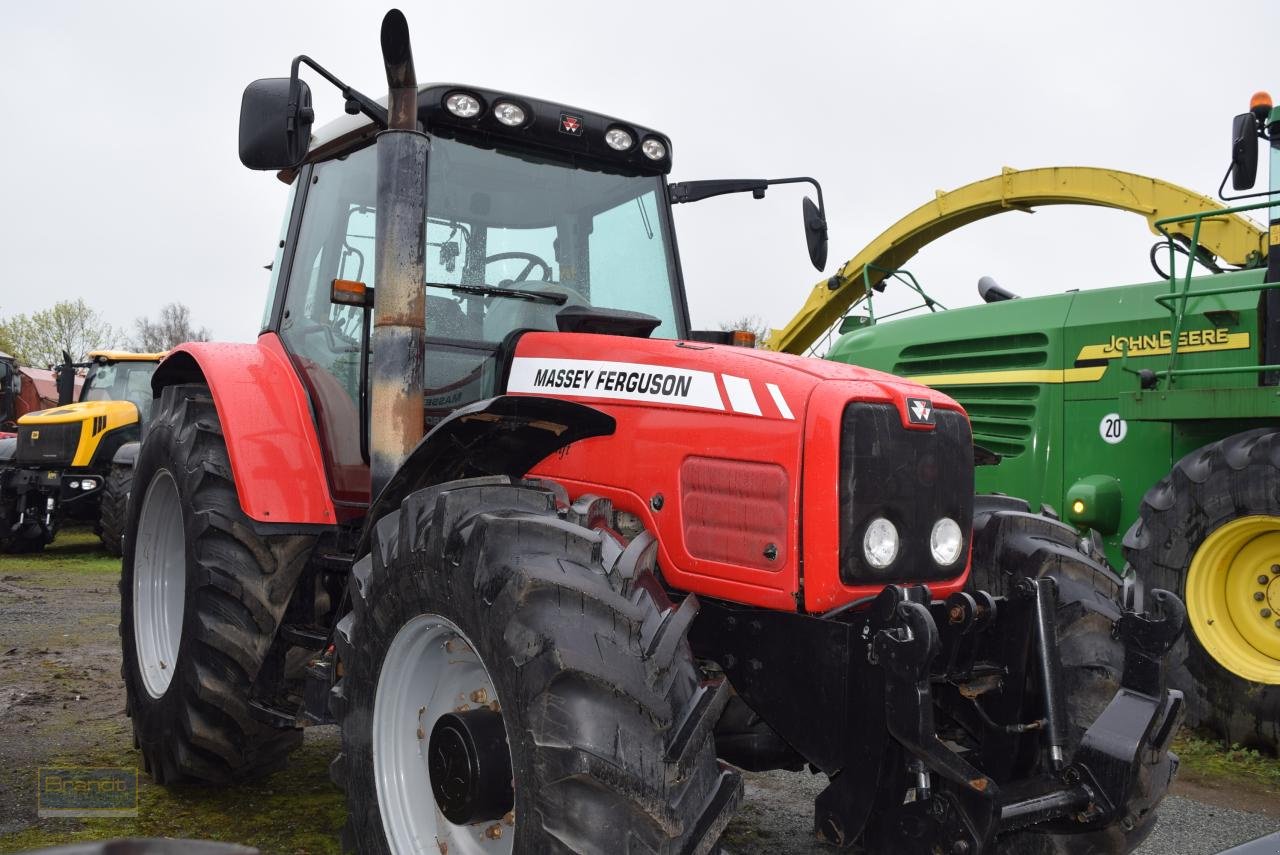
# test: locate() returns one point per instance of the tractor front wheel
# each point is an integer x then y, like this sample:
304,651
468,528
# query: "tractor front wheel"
505,689
1210,532
202,594
114,507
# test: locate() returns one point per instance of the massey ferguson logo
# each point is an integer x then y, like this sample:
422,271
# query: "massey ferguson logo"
571,125
920,411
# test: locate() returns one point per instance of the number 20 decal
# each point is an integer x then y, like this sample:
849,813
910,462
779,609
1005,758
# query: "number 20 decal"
1113,428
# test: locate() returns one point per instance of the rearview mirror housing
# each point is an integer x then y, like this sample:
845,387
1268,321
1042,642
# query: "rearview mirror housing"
275,123
1244,151
815,233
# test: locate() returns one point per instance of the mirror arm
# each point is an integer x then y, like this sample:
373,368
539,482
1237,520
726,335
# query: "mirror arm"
696,191
357,102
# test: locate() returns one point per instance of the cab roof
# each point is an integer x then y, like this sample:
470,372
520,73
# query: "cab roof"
125,356
545,127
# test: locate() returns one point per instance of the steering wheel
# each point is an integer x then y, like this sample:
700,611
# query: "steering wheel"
533,261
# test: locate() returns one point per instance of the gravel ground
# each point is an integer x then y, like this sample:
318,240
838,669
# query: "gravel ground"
60,695
777,818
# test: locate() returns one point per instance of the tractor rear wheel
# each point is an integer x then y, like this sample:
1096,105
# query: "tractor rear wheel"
113,508
1010,541
505,689
1210,532
202,594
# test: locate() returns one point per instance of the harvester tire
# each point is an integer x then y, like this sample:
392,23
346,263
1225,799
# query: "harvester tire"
608,721
114,507
1183,541
194,640
1010,541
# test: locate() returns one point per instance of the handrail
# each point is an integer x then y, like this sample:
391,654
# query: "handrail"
1176,300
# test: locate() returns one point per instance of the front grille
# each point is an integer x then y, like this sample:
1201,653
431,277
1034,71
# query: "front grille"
911,478
48,445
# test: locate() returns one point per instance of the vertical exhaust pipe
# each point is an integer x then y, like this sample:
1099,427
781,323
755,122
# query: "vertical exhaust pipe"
399,320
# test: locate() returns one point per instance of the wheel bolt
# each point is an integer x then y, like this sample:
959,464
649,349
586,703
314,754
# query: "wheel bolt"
1278,624
1275,568
1259,596
1262,580
480,696
1266,613
493,832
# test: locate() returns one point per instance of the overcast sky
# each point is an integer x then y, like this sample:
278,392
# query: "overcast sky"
121,182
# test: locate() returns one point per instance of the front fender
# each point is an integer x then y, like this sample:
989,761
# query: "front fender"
266,421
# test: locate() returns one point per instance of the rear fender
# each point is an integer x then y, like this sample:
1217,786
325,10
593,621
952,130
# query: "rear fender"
266,421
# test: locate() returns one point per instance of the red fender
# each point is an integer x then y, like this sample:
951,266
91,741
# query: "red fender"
266,420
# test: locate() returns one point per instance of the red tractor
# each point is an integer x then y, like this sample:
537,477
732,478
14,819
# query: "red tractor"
556,564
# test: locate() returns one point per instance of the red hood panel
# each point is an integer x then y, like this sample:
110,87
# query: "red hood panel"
696,421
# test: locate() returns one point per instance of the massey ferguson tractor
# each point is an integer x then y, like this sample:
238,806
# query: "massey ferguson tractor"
559,566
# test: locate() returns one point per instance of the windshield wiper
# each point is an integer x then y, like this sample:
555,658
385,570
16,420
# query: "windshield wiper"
496,291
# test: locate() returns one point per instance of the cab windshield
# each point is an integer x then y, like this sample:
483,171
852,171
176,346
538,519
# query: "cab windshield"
120,381
512,239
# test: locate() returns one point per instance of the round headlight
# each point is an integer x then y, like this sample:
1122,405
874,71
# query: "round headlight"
653,148
511,115
880,543
945,541
618,139
74,485
462,105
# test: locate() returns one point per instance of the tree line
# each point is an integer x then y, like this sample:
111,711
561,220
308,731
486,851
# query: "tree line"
39,339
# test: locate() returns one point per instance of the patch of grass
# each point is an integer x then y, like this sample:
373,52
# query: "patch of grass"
75,553
1209,759
293,812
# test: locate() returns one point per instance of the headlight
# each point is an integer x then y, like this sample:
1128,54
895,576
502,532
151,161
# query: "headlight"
880,543
88,484
653,148
462,105
511,115
618,139
945,541
74,485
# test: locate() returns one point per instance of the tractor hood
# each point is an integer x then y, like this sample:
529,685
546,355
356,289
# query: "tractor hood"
72,434
754,384
728,454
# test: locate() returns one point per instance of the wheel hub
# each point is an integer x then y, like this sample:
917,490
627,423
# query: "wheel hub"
470,766
1233,597
442,766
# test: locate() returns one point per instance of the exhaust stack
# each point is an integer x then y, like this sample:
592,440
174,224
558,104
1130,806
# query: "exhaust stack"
399,321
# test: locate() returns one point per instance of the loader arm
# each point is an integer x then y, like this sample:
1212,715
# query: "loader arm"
1230,237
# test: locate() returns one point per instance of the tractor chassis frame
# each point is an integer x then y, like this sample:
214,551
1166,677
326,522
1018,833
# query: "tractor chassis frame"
856,697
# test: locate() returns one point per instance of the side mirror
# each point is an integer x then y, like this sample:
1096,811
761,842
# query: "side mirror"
275,123
65,375
815,233
1244,151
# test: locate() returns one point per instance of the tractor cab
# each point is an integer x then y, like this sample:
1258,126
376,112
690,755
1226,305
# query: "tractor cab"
115,375
548,218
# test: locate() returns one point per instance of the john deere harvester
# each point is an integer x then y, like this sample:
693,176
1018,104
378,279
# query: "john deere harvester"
75,461
625,554
1146,412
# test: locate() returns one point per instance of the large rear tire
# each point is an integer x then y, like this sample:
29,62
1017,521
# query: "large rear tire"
607,721
113,508
201,597
1210,532
1009,541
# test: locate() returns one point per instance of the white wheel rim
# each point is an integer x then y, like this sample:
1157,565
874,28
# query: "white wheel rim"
431,668
159,583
